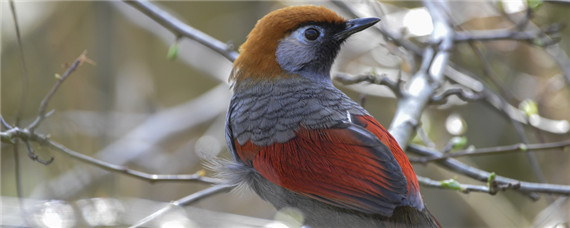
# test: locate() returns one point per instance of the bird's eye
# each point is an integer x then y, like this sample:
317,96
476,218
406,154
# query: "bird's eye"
312,34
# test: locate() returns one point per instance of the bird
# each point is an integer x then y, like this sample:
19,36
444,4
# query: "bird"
299,142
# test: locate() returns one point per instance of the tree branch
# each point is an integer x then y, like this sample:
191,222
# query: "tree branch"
28,136
462,94
464,78
529,188
144,138
423,84
495,150
507,34
346,79
43,105
184,202
453,185
396,39
181,29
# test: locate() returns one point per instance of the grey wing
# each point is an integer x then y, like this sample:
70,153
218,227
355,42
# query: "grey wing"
229,134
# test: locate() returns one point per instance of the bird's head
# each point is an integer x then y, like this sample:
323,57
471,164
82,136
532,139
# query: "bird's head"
295,41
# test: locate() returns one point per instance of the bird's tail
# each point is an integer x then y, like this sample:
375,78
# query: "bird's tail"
412,217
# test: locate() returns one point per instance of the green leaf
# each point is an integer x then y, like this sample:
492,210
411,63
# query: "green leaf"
451,184
538,42
7,138
459,142
500,6
529,107
173,51
534,4
491,178
417,140
523,147
57,76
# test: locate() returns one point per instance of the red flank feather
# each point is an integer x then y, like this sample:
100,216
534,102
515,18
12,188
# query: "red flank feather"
338,167
377,129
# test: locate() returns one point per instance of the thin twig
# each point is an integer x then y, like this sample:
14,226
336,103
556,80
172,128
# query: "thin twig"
143,139
346,79
181,29
23,104
499,104
487,70
32,155
27,136
492,188
506,34
25,78
464,188
4,123
187,200
496,150
198,177
398,40
462,94
43,105
529,188
18,175
558,54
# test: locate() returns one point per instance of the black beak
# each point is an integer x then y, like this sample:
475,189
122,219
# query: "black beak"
356,25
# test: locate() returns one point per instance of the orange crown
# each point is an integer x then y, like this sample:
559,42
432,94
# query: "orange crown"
257,55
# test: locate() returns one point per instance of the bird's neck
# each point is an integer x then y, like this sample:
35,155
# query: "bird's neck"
282,80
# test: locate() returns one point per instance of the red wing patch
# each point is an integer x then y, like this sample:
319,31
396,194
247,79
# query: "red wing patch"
346,167
377,129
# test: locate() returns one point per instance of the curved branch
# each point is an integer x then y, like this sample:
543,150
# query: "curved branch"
144,138
464,188
398,40
43,105
529,188
499,104
496,150
508,34
28,136
346,79
462,94
187,200
181,29
423,84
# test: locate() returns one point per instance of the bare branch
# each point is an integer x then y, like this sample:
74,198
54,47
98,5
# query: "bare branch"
181,29
142,140
398,40
25,77
497,150
492,188
462,94
28,136
4,123
184,202
464,188
32,155
43,105
423,84
529,188
346,79
508,34
498,103
535,166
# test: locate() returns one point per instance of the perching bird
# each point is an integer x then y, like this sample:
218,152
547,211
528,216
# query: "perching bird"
299,142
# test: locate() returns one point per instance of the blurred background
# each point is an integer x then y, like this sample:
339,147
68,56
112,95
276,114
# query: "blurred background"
136,107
